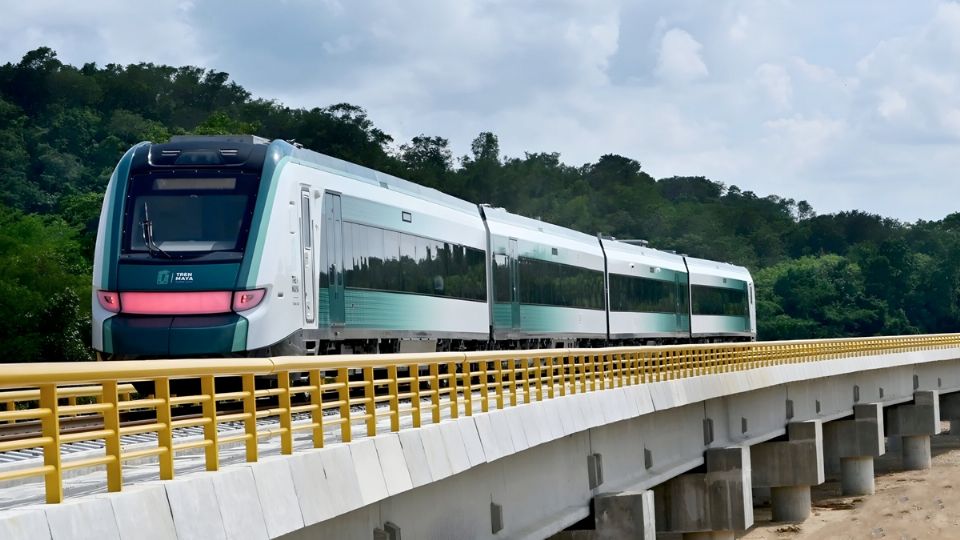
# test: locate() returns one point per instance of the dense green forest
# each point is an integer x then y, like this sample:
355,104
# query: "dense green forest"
63,128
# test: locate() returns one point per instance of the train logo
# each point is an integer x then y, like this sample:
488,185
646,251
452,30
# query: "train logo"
163,277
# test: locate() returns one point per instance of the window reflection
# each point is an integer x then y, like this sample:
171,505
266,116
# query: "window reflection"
719,301
637,294
391,261
555,284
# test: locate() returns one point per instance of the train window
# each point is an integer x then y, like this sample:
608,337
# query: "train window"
201,217
390,277
501,278
305,222
636,294
380,259
555,284
720,301
351,258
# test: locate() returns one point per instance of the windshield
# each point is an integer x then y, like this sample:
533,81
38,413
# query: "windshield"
188,217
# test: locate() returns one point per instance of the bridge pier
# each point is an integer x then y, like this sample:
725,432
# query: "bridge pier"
628,514
789,468
712,504
914,423
950,409
853,444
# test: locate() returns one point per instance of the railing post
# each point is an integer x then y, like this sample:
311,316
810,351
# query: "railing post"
50,429
343,396
435,392
250,422
552,379
579,372
161,390
596,375
538,376
484,387
467,387
394,388
316,411
498,379
564,374
285,403
416,409
369,393
111,422
454,397
513,381
625,362
209,408
525,371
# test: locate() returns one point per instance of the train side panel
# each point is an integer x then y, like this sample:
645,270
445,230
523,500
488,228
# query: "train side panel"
547,280
722,300
648,293
381,263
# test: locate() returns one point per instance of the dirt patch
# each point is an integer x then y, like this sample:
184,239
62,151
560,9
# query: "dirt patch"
908,505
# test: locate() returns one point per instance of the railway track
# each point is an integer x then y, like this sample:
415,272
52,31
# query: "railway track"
31,429
79,424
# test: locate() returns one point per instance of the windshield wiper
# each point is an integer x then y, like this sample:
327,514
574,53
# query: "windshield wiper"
146,226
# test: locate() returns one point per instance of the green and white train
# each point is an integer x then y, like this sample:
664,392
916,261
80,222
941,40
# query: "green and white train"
237,246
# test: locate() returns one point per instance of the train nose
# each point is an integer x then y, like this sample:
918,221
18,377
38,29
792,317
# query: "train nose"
180,335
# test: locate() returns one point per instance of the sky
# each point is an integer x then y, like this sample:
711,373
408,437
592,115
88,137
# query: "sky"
850,104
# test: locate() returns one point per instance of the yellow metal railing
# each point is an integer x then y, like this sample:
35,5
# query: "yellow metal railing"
338,395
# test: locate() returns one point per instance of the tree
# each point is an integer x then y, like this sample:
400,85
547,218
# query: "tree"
427,160
44,289
219,123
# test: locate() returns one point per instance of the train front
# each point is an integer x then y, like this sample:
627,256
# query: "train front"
170,250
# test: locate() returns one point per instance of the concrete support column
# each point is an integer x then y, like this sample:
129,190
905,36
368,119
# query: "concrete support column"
916,452
856,476
851,445
711,505
915,423
790,503
789,468
628,514
950,409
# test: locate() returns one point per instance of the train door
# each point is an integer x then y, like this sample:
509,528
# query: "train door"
514,284
333,243
306,255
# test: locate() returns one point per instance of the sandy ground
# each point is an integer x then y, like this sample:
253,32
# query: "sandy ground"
907,505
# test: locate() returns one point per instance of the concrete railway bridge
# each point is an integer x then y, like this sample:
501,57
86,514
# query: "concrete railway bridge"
586,443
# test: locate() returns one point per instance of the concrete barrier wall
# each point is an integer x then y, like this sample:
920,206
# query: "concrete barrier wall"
523,472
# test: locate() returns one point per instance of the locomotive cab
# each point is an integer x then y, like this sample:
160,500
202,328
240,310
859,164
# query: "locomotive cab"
174,229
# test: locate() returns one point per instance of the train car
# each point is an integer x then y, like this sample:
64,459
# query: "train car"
546,283
722,301
219,246
237,246
648,294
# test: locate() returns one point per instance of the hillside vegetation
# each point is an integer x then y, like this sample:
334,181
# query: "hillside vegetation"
63,128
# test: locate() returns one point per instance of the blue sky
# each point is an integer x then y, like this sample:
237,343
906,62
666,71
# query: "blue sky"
849,105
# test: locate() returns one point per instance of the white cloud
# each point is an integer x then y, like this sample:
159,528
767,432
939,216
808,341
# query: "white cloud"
738,32
777,84
108,31
863,112
679,59
892,103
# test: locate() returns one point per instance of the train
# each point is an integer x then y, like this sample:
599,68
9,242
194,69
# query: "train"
237,246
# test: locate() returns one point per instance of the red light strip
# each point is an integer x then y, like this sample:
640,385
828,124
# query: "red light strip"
175,303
